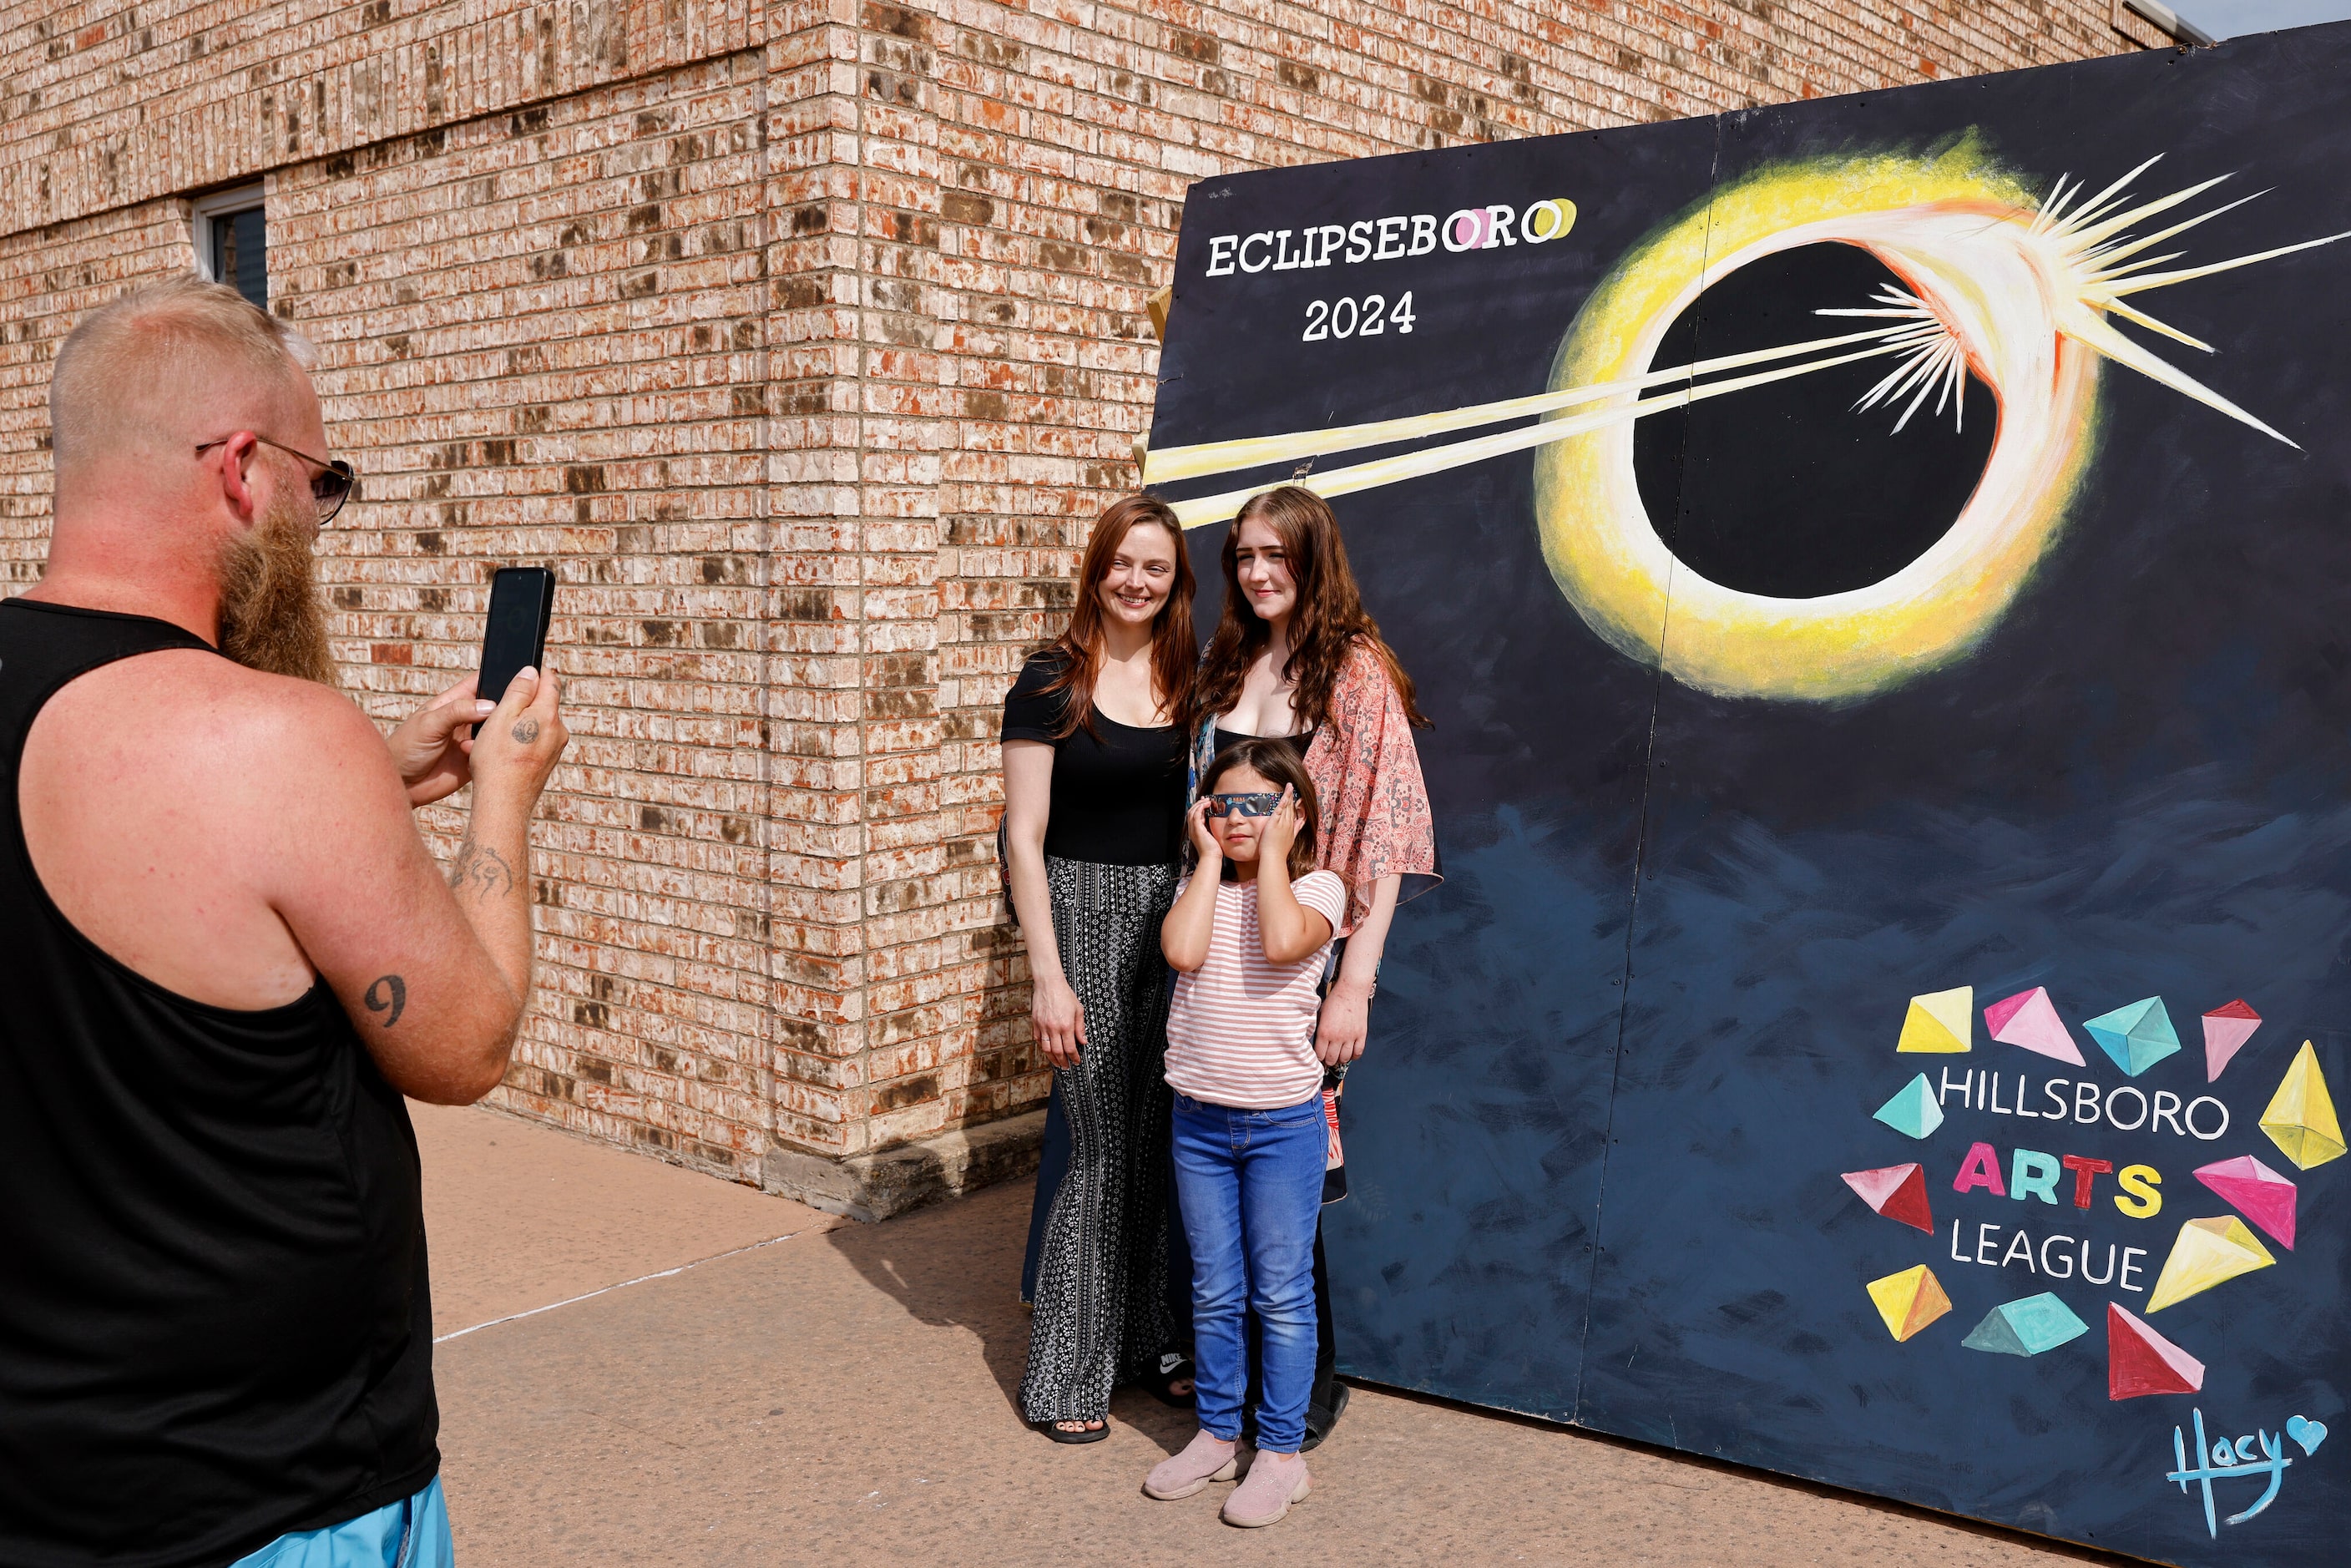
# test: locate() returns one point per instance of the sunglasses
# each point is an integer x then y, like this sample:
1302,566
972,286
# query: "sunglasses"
331,488
1255,805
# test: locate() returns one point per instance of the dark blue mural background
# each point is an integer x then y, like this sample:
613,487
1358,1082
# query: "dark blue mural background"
1621,1057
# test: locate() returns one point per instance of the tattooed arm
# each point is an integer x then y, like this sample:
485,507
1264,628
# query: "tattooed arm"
513,750
433,968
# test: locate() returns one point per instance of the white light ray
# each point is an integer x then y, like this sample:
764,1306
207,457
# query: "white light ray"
2107,254
1436,459
2165,279
1256,451
2087,328
2080,241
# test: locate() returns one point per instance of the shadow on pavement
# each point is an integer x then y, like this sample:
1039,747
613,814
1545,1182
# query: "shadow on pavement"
957,1265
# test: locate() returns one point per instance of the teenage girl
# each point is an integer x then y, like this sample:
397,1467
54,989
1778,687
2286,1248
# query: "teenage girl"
1248,939
1297,656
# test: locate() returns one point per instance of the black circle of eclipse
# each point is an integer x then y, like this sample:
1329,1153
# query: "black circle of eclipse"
1785,490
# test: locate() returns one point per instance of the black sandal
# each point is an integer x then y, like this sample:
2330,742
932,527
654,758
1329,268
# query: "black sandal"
1054,1429
1174,1367
1319,1421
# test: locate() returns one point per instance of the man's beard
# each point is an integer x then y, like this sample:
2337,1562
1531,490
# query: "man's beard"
271,617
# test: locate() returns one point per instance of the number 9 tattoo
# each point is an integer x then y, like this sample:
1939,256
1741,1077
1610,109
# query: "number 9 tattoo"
394,997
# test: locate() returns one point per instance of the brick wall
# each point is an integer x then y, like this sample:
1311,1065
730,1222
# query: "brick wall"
545,331
803,341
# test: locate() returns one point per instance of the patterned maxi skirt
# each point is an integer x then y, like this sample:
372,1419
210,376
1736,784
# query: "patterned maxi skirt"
1102,1314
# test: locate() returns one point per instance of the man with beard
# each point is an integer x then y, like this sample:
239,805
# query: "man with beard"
229,955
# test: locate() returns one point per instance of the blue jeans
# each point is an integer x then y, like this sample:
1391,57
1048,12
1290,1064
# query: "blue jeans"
1250,1186
411,1533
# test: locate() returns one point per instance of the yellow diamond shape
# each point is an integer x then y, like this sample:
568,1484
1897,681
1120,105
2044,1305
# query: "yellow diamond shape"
1939,1022
2301,1118
2207,1253
1909,1301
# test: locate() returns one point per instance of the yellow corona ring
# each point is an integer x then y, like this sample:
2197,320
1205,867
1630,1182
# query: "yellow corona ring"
1964,240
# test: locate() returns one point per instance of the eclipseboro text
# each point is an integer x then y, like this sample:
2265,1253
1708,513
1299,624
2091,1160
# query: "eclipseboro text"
1390,238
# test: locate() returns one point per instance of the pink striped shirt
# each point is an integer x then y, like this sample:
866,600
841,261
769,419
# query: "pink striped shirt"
1240,1031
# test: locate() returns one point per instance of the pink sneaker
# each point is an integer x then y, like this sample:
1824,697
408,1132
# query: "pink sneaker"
1204,1459
1265,1493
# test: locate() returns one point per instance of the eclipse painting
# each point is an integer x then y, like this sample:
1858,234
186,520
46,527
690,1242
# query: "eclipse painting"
1878,569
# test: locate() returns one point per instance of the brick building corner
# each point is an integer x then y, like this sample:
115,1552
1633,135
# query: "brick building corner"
804,340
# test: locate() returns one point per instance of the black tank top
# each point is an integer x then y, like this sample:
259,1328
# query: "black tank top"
214,1326
1298,743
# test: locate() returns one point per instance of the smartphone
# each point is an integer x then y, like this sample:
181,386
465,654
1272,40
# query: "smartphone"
521,599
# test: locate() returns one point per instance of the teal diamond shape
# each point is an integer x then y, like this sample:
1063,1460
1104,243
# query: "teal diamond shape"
2026,1327
2136,1037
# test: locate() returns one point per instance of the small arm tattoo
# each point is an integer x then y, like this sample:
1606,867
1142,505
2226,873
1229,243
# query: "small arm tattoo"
527,731
387,994
485,870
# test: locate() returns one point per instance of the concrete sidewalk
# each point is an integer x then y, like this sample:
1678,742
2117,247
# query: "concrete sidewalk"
787,1388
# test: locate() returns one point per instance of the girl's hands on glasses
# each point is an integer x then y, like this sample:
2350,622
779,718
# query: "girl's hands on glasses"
1281,832
1204,839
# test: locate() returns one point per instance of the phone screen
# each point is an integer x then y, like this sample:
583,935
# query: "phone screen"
521,599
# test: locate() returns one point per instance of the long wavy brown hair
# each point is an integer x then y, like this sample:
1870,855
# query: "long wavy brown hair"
1080,648
1329,621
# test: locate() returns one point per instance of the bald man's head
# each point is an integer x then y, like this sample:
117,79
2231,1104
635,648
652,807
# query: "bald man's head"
147,376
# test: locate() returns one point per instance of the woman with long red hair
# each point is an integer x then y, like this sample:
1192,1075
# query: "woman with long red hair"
1094,735
1297,657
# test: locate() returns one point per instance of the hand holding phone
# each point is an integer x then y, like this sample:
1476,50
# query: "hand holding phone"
522,598
432,746
429,746
524,736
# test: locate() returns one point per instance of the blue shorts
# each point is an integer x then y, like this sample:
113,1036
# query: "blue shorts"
411,1533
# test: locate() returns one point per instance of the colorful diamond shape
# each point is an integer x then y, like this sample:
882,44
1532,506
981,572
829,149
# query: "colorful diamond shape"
2137,1036
1898,1192
2259,1194
1913,1111
2026,1327
2140,1361
1909,1301
2225,1030
1939,1022
2301,1118
2207,1253
2029,1020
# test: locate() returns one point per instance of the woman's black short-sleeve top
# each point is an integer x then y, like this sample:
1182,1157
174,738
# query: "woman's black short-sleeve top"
1118,793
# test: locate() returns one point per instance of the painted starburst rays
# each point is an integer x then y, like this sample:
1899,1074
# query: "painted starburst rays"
2092,264
1935,362
2085,262
2091,243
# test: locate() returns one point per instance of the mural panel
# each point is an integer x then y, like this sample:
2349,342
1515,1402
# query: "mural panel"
1878,569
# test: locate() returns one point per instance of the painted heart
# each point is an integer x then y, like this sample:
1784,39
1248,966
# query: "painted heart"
2306,1432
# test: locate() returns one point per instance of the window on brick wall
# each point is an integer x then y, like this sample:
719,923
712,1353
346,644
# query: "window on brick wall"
232,239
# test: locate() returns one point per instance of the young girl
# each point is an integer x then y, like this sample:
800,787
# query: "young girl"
1298,656
1248,937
